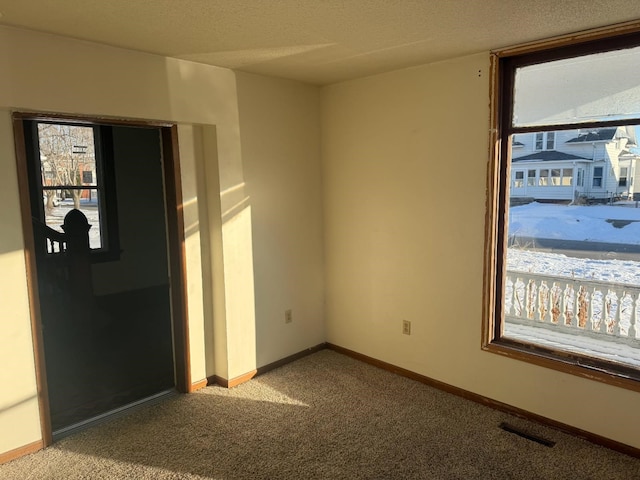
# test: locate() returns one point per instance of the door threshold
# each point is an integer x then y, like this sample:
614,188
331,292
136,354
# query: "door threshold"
113,414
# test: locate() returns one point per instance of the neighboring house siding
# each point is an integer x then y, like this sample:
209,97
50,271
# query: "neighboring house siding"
591,164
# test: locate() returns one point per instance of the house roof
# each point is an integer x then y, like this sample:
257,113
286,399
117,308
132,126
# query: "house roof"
549,156
628,153
599,135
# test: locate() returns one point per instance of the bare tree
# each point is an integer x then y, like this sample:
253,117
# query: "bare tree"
66,152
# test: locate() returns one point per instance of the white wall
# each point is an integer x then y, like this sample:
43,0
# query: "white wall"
90,79
404,172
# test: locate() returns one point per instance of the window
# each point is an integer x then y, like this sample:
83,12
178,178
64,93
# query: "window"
545,140
69,172
531,178
551,140
569,314
518,179
597,177
544,177
539,140
622,182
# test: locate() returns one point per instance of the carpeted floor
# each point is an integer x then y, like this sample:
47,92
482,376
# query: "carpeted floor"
325,416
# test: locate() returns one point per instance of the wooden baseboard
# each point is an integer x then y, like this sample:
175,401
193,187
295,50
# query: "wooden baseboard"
21,451
503,407
198,385
223,382
291,358
233,382
216,380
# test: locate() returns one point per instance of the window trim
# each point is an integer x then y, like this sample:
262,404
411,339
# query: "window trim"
175,234
503,66
623,179
104,168
600,177
544,141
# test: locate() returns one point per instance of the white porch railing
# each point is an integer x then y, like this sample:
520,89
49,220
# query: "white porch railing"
575,306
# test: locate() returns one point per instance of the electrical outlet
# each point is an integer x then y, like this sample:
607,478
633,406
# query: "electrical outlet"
288,316
406,327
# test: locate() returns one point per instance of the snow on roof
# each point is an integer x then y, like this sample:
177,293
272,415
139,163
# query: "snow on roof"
598,135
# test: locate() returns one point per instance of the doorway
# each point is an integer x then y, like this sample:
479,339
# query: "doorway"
103,234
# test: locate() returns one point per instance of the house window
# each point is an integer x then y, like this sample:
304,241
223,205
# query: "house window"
70,172
543,180
551,136
563,311
518,179
567,177
539,140
531,178
597,177
622,182
545,140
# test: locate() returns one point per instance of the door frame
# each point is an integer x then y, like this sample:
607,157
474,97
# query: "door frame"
175,238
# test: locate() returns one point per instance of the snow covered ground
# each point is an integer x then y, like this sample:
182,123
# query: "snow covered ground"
55,219
585,223
581,223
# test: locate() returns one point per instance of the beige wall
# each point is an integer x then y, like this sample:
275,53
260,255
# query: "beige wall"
223,242
19,421
283,185
401,189
404,168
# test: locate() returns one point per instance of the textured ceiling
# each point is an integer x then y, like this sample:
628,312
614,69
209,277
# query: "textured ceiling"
315,41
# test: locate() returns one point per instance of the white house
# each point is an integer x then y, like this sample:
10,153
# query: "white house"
566,165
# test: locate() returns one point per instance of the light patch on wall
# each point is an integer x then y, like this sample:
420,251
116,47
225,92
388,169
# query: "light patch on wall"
240,296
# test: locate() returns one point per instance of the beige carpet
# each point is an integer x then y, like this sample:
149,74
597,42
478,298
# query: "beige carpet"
323,417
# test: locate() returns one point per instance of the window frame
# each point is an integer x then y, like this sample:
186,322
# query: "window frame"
543,178
503,67
544,139
550,139
599,177
532,180
105,175
623,179
564,177
518,178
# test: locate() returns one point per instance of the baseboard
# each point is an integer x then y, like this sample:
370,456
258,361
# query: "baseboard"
198,385
216,380
291,358
232,382
474,397
223,382
21,451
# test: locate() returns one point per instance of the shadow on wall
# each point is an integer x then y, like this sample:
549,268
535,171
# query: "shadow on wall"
19,403
218,243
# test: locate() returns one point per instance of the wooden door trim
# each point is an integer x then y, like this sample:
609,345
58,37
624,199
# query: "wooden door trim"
177,256
32,281
175,239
